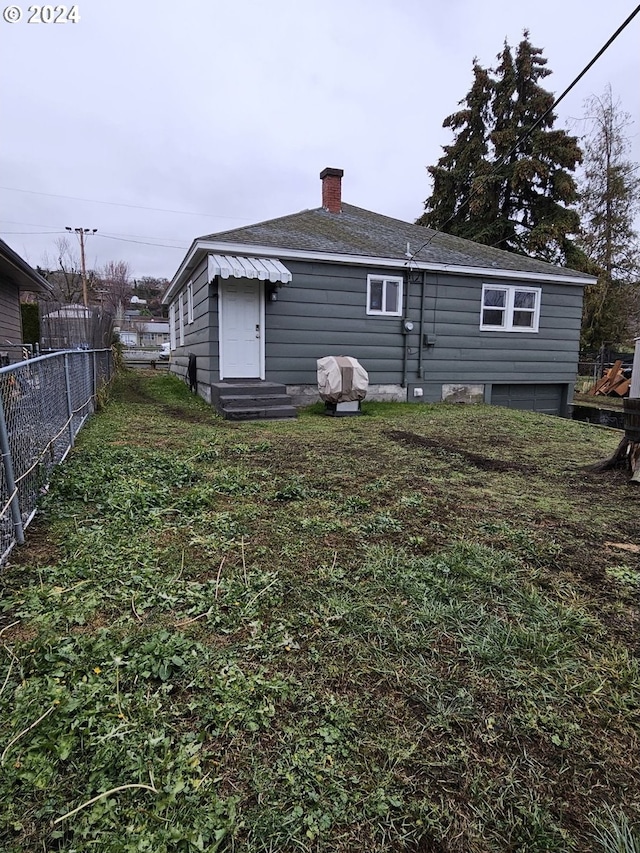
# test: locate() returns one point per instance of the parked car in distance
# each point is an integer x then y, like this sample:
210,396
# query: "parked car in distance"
165,350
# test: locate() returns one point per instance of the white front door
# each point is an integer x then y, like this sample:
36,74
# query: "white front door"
241,318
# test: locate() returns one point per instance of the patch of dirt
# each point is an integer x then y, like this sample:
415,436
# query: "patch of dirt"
14,631
38,550
484,463
133,392
184,415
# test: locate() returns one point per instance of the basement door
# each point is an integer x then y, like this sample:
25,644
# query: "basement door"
241,318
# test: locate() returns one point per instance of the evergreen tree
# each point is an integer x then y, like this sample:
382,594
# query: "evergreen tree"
512,194
455,176
609,202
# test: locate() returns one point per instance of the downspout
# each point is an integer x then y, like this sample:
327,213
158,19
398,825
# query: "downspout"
405,335
421,340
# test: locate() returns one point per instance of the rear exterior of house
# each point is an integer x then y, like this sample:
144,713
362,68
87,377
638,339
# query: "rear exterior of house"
431,317
16,276
10,319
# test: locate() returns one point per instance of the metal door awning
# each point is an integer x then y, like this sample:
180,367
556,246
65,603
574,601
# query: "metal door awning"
264,269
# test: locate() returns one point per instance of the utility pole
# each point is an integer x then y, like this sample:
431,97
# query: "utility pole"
81,232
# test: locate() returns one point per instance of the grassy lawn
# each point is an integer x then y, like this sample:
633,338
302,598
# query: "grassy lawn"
416,630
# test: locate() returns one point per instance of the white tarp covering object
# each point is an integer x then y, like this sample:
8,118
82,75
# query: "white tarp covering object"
264,269
341,379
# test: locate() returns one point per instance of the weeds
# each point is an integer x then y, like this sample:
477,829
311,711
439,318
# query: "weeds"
298,636
614,833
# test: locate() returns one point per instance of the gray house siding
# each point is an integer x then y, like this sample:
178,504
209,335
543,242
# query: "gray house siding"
323,311
465,355
10,317
200,336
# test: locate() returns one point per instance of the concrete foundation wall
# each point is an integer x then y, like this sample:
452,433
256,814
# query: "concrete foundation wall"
306,395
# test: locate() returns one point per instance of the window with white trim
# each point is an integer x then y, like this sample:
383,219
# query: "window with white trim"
384,295
190,302
172,326
181,320
509,308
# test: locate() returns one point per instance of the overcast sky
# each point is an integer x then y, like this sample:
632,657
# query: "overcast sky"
218,114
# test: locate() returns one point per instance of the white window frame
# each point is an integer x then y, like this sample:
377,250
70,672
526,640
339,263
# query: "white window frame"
172,326
190,302
385,279
181,319
510,290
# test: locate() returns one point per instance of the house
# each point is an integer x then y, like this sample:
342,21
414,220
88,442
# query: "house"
430,316
136,327
147,332
153,332
16,277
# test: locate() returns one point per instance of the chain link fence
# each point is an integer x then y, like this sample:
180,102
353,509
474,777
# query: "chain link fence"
44,403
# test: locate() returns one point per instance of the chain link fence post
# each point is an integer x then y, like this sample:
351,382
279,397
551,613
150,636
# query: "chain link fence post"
67,383
94,356
9,478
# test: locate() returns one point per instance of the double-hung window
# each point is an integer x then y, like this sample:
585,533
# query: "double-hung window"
509,308
172,326
384,295
181,320
190,302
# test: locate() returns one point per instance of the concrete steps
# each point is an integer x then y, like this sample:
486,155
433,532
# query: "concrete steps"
251,400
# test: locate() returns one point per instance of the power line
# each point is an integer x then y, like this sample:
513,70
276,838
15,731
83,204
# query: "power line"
528,132
149,237
123,204
30,224
124,237
142,243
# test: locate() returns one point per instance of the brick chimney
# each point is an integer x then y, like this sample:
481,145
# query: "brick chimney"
332,189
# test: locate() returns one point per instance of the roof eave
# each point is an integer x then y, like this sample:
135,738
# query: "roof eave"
199,248
21,272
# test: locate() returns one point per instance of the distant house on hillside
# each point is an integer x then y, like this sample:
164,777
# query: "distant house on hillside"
153,332
430,316
147,332
16,277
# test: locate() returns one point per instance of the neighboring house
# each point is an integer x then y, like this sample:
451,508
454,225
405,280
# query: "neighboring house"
153,332
128,337
430,316
16,277
148,333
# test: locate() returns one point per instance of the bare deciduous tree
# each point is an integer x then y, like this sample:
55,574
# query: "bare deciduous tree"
609,201
63,272
114,286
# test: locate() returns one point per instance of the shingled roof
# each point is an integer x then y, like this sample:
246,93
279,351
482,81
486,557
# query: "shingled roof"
355,231
16,269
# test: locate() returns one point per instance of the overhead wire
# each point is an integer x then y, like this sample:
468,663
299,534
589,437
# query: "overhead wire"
124,204
124,237
530,130
142,243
